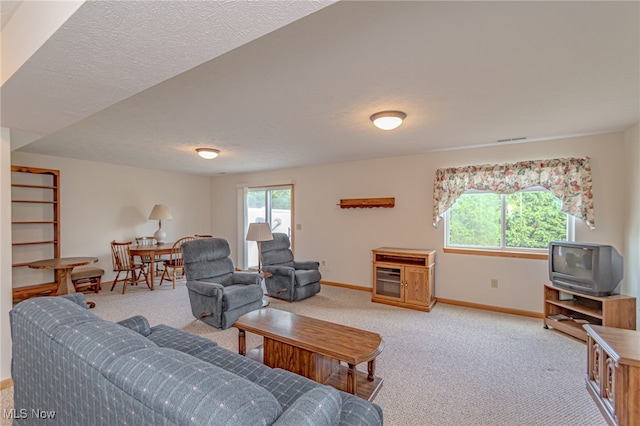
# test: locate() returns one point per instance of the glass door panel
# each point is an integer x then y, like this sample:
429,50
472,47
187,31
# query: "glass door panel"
272,205
388,281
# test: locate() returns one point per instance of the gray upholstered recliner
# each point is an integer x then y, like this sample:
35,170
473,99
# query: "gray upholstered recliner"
219,295
289,279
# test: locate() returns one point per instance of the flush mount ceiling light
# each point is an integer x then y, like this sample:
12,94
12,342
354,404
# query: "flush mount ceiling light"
208,153
388,120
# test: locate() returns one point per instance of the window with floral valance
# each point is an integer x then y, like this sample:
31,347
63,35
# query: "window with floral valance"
569,179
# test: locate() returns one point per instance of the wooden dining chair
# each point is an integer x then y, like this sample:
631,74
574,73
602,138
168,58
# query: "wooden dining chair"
123,262
175,262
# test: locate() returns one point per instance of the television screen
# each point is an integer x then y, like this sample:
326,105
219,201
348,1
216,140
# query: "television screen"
574,261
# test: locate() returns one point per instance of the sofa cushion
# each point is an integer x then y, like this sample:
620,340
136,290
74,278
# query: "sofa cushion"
99,342
92,272
278,258
317,407
307,276
286,386
169,337
234,363
206,258
187,390
225,278
239,295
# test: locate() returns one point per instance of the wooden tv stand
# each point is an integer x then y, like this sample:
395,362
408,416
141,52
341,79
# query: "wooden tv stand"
608,311
404,277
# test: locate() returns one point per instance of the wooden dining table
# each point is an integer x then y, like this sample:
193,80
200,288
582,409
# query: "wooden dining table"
63,267
151,250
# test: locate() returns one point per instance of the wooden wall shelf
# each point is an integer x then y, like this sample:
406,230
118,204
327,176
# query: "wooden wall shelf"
35,230
367,203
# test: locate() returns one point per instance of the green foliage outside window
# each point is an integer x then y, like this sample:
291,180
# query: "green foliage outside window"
280,199
474,221
532,220
256,199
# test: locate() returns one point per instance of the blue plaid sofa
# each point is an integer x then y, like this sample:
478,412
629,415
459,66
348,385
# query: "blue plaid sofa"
78,369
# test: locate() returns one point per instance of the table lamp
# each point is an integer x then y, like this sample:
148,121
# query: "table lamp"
159,212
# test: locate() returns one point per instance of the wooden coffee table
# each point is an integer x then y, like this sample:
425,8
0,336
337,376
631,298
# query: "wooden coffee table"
315,349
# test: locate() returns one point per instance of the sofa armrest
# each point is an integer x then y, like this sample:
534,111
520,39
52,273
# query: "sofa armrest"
285,271
77,298
205,288
137,323
247,278
357,411
319,407
306,264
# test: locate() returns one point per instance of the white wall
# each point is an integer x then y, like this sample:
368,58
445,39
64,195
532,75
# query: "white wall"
632,219
102,202
5,253
344,238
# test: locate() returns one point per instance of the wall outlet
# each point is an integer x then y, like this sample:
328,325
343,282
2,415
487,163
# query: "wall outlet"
298,227
323,263
494,283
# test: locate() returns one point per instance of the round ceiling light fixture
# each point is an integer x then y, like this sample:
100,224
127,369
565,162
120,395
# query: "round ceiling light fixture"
388,120
208,153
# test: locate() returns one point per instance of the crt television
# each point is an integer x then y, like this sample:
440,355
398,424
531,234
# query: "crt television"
593,269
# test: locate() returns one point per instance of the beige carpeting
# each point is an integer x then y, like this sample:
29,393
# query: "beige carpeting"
452,366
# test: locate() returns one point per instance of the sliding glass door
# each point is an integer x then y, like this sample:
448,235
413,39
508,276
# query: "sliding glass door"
272,205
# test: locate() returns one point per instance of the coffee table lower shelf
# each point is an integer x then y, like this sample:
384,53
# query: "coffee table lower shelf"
366,389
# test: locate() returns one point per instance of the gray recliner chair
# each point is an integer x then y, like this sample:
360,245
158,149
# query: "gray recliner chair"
219,295
286,278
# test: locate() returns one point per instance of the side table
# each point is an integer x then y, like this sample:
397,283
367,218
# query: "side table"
63,267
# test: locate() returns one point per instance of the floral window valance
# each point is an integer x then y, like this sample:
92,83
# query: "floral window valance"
569,179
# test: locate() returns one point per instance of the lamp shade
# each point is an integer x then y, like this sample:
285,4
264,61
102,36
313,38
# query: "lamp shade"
160,212
259,232
388,120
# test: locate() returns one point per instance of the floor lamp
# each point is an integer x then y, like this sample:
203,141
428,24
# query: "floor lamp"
260,232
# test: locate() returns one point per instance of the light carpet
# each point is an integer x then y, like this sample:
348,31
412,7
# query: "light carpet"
451,366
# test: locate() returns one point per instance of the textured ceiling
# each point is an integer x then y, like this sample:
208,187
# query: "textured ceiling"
110,50
145,83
